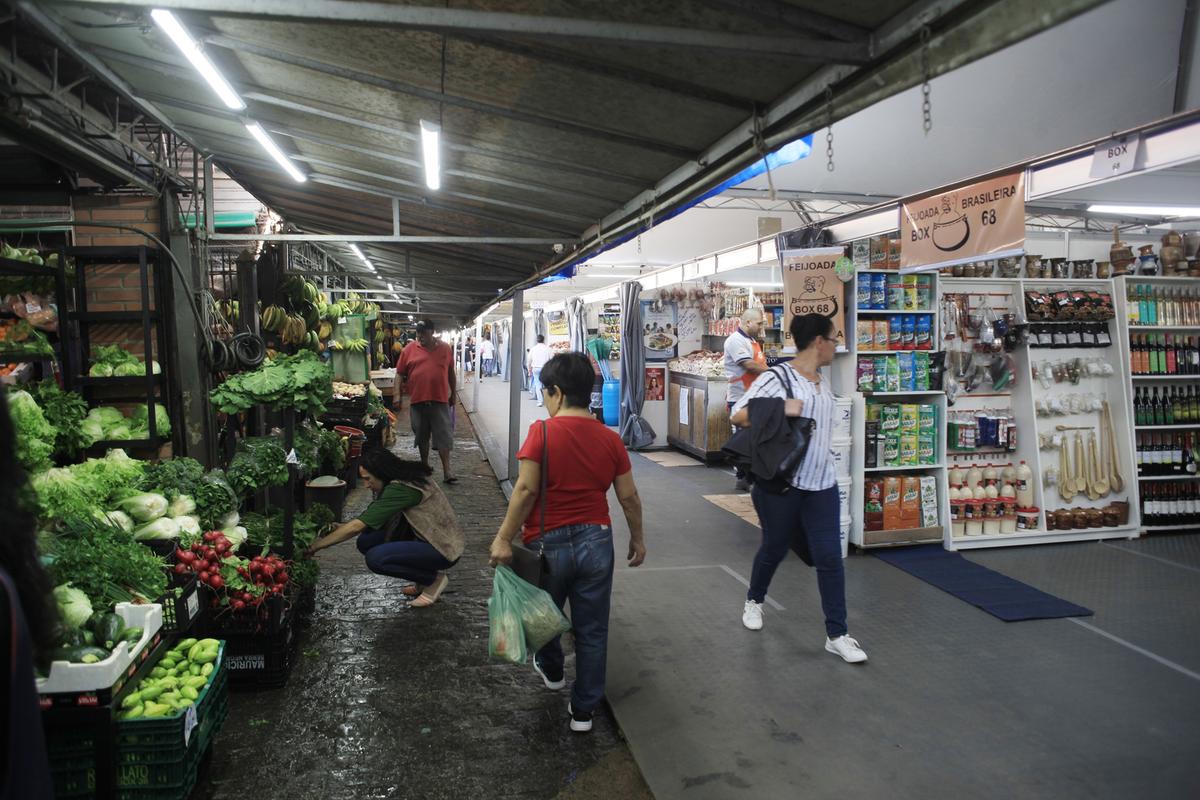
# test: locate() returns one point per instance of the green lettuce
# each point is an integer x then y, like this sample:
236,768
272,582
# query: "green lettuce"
35,436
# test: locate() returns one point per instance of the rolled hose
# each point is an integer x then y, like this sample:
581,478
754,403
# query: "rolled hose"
249,350
222,359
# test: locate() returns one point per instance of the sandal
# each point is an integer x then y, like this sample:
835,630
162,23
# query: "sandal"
412,590
427,598
450,480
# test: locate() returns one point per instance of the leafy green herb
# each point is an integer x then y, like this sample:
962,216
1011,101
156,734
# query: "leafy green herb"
301,381
215,499
35,436
173,477
65,412
259,463
104,563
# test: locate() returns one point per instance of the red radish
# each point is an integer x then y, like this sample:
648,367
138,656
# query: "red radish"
204,576
281,577
181,569
216,581
237,605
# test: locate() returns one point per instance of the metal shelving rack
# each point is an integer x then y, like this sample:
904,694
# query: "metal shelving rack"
64,339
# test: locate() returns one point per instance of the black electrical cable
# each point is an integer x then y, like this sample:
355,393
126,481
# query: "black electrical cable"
249,350
222,358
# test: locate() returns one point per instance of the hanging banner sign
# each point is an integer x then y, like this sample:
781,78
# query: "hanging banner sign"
983,221
1115,156
811,286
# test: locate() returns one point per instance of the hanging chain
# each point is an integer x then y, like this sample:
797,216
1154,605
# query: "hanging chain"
829,129
926,105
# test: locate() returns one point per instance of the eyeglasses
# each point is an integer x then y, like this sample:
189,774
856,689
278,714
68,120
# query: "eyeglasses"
832,339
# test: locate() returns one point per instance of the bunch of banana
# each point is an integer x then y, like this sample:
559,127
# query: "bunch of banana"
273,319
293,331
311,292
293,287
311,342
351,345
229,309
324,330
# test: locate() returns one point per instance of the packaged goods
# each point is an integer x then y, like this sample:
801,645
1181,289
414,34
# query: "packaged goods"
921,371
895,333
879,252
874,412
870,458
881,334
891,449
909,443
865,338
927,418
860,253
910,418
910,292
895,293
893,375
891,418
908,332
866,373
893,261
873,505
926,448
891,503
881,368
924,333
924,292
878,292
905,360
910,502
863,293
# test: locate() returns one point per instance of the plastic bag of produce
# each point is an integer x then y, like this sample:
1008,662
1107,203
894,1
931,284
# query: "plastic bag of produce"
506,638
540,617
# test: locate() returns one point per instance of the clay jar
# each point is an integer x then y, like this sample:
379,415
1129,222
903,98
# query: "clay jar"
1095,518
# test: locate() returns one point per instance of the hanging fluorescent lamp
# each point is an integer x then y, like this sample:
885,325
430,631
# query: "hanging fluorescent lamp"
1146,211
364,259
430,133
191,50
269,145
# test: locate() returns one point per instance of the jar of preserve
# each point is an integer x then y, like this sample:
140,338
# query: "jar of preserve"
1095,518
1027,519
1112,517
1079,518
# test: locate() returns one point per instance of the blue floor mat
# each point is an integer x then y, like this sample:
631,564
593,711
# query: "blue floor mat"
999,595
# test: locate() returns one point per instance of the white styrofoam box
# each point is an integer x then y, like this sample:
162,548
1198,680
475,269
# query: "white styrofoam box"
845,535
843,485
841,419
67,677
841,456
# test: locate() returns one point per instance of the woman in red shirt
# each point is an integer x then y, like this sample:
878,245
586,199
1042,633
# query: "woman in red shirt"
584,459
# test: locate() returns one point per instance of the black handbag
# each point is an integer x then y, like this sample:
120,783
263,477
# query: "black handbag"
531,567
799,431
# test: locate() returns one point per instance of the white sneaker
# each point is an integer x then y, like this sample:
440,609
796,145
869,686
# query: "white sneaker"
752,615
847,648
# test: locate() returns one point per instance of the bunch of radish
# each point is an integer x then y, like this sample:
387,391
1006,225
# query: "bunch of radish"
206,558
237,582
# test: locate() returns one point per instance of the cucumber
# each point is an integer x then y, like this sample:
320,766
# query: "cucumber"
108,630
86,654
89,638
131,635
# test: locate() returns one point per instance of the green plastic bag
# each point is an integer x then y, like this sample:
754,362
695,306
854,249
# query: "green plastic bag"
506,639
541,620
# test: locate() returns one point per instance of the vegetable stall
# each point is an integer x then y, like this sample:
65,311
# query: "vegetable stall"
176,578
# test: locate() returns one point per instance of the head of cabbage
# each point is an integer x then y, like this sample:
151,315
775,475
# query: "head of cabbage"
73,605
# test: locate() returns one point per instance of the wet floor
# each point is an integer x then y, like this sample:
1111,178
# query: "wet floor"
388,701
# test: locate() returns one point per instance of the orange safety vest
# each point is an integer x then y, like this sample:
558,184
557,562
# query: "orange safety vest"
759,356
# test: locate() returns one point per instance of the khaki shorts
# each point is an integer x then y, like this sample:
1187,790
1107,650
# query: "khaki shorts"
432,421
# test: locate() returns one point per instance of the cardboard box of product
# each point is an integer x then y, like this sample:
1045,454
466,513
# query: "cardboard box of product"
909,444
927,418
926,448
929,501
873,505
891,502
891,418
891,449
910,418
865,339
910,502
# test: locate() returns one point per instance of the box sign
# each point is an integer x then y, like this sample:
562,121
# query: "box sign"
982,221
812,286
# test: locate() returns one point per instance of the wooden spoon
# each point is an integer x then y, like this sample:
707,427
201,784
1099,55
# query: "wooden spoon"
1099,480
1066,483
1116,482
1080,465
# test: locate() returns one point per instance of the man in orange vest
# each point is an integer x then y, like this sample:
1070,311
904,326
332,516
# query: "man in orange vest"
744,361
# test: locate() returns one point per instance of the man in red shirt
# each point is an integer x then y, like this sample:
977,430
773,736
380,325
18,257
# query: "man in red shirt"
427,369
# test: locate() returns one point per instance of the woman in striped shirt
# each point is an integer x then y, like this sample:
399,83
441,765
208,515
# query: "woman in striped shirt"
810,506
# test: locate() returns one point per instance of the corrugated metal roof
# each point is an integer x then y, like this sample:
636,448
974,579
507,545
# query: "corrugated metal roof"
545,134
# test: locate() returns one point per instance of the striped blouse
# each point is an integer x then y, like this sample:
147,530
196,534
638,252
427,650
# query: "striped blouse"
817,470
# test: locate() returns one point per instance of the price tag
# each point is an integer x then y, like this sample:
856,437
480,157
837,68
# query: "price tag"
189,724
292,458
1115,157
193,605
341,320
32,308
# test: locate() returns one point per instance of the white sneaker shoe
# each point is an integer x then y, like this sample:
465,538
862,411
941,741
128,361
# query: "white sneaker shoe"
752,615
847,648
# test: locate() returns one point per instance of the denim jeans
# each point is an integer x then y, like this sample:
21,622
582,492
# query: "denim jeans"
815,515
579,568
536,387
487,367
413,560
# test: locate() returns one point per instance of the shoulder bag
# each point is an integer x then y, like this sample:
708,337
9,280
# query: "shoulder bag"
799,433
531,566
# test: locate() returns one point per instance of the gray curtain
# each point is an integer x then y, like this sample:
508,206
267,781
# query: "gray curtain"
502,347
576,324
540,328
635,431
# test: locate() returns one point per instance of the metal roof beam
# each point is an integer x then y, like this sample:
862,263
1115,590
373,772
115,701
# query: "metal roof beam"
449,20
775,12
378,239
432,96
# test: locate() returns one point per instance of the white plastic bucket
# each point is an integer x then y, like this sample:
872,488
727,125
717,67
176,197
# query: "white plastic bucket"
843,485
841,419
841,457
845,537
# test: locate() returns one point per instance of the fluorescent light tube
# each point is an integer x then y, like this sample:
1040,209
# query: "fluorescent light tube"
269,145
191,50
364,259
430,132
1147,211
756,284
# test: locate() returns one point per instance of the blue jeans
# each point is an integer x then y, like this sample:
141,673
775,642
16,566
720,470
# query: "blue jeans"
413,560
816,516
579,568
536,387
487,367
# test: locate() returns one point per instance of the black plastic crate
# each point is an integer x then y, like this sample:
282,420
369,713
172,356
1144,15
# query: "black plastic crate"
261,661
182,604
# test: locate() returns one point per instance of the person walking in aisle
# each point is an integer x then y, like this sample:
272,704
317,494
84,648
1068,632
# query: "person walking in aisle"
486,354
410,531
582,460
744,361
809,507
539,355
427,369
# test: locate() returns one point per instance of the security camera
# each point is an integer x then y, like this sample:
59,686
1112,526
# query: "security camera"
558,248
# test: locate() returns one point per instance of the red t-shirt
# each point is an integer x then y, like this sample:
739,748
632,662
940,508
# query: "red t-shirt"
428,372
585,458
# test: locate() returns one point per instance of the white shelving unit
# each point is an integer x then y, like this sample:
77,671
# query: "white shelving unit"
1150,381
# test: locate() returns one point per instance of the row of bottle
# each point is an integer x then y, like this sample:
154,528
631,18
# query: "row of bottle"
1173,503
1166,454
988,430
992,479
1175,407
1164,354
1162,305
894,292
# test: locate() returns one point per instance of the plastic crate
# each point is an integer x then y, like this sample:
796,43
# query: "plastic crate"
181,604
261,661
95,683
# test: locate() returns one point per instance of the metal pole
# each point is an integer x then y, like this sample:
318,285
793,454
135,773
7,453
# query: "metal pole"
516,351
477,364
209,197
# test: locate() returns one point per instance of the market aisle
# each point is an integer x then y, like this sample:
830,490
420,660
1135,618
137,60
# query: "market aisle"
391,702
952,703
491,419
